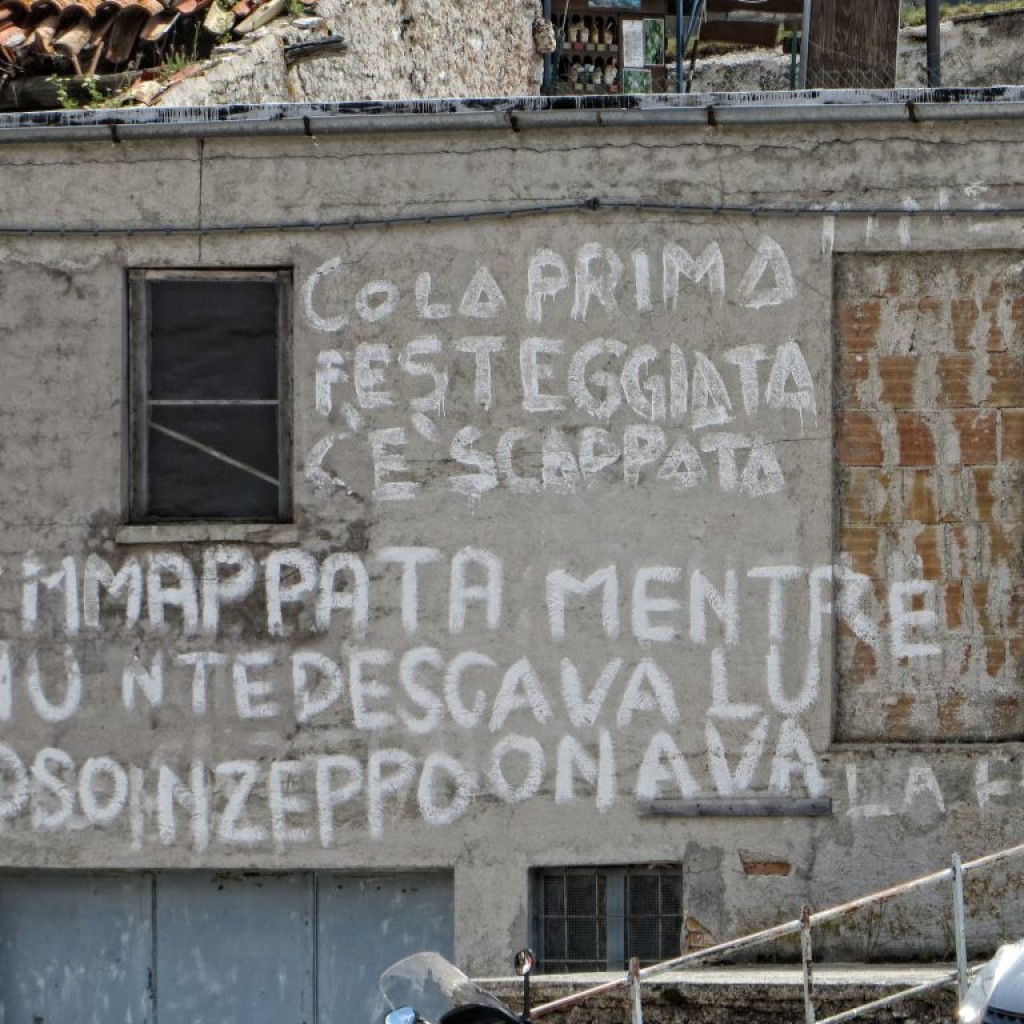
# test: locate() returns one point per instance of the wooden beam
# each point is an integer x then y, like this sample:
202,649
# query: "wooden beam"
326,47
768,7
744,33
737,807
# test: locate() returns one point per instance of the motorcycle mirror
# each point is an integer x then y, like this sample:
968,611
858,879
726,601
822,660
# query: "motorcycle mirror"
524,962
402,1015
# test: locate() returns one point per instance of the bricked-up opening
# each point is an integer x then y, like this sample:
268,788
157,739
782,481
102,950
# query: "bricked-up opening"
208,396
596,919
930,462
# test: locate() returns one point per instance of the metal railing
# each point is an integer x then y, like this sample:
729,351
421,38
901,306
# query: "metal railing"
802,926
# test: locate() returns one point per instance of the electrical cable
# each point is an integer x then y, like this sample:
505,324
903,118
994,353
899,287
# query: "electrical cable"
593,204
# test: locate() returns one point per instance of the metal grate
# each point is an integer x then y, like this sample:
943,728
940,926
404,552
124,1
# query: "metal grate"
595,919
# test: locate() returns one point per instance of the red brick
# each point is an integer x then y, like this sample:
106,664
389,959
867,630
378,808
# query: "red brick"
995,655
994,342
979,436
1006,380
1007,717
920,497
1015,609
1005,542
928,545
854,370
966,653
1016,646
1017,316
955,380
954,602
965,551
917,446
856,491
888,491
931,305
765,867
950,723
870,495
862,544
858,323
985,505
898,374
1013,435
1011,493
862,664
858,440
897,717
965,316
979,597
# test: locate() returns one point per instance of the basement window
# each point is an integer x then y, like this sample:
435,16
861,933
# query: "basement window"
209,390
596,919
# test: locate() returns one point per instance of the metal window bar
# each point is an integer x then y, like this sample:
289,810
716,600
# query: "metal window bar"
801,925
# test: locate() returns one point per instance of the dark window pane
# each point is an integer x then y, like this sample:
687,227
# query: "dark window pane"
643,938
185,483
554,894
583,941
671,893
643,895
245,434
671,937
213,339
554,937
581,894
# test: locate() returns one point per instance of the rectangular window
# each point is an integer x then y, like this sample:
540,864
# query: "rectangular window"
596,919
209,396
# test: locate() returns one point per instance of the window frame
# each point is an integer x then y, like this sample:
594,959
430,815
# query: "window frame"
139,347
616,909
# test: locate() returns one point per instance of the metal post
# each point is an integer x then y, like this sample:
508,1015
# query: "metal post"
934,54
634,982
959,926
806,957
805,42
680,43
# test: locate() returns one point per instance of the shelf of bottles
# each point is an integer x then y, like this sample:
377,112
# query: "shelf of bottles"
589,58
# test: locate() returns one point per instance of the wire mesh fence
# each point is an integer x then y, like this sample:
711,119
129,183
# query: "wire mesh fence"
840,69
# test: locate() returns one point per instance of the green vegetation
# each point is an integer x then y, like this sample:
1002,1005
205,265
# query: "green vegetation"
911,16
85,92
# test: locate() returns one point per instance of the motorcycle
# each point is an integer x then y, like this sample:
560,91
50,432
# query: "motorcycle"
426,989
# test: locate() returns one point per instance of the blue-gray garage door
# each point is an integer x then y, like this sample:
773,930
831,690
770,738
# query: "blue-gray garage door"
210,947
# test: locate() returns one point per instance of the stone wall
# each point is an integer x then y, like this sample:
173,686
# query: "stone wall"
397,49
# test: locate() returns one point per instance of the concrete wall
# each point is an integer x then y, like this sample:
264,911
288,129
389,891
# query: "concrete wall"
784,449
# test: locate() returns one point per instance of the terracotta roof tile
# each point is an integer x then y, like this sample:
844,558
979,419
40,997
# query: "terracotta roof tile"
84,37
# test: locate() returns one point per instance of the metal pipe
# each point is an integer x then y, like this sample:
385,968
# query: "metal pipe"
805,41
806,961
634,977
960,926
934,54
547,85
